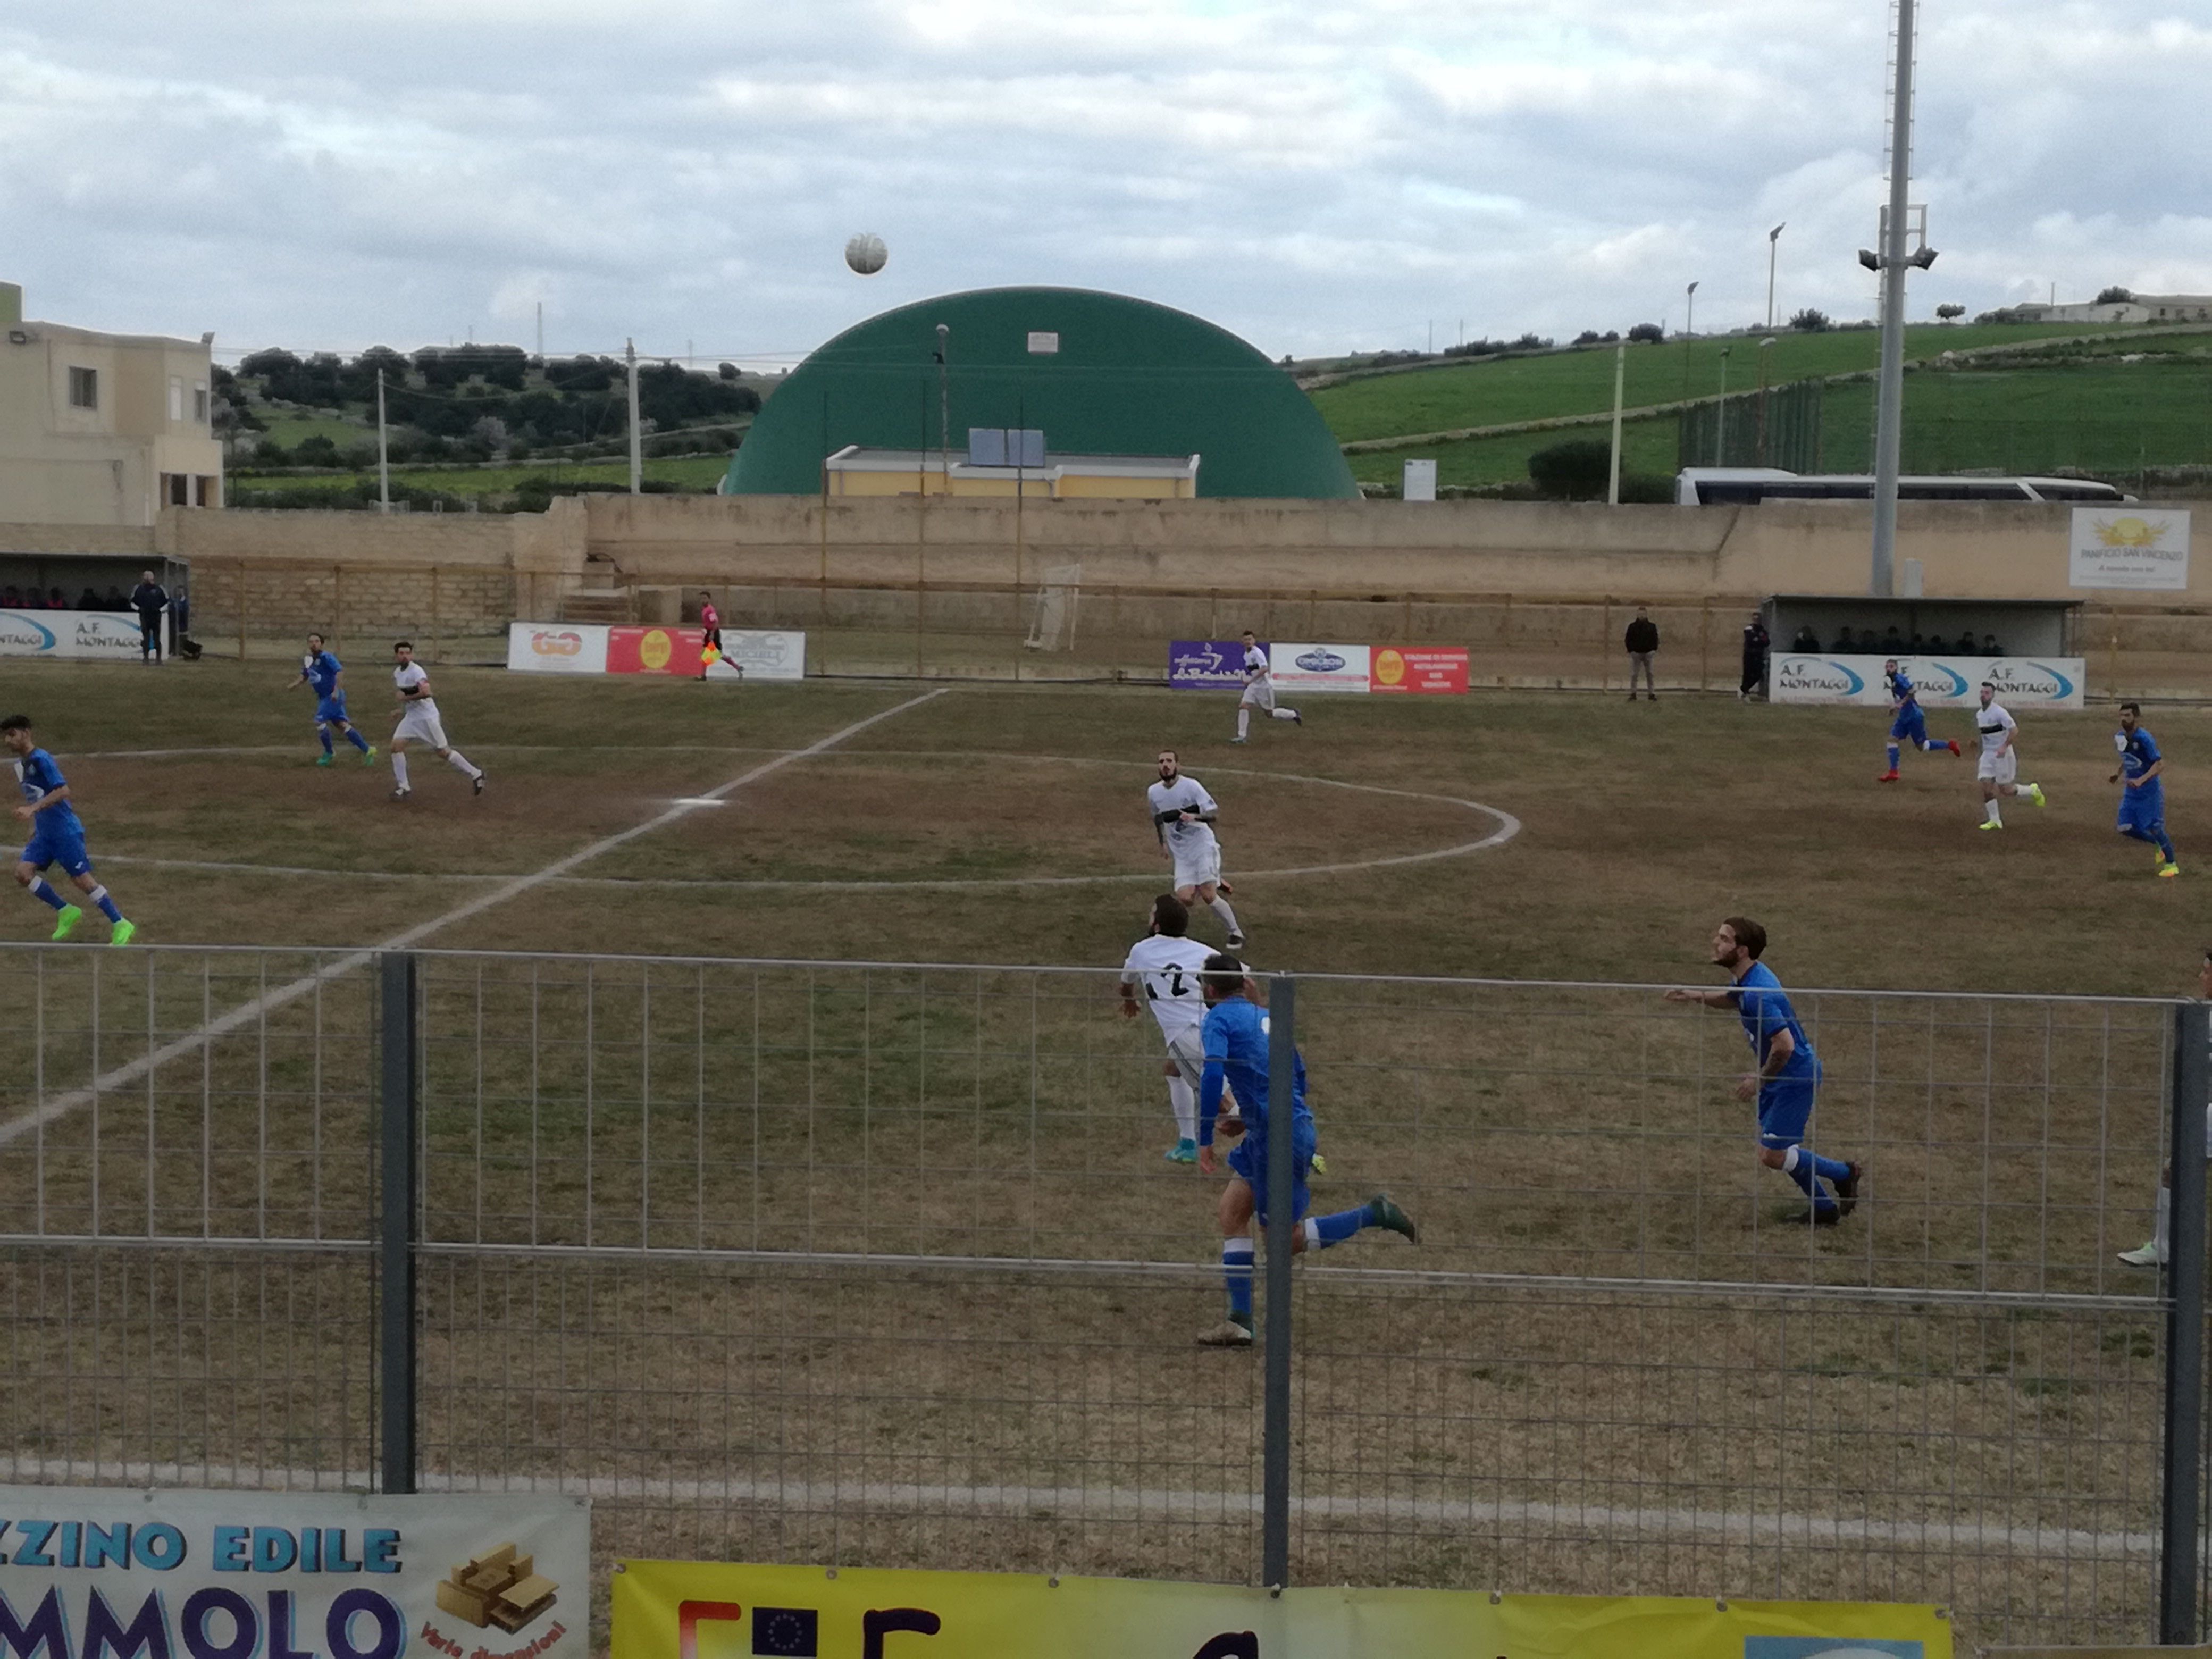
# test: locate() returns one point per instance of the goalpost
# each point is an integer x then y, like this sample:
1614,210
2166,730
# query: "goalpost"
1052,624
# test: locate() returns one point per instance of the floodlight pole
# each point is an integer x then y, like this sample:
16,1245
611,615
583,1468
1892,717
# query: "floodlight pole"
1613,472
383,453
945,406
637,438
1689,331
1773,240
1889,394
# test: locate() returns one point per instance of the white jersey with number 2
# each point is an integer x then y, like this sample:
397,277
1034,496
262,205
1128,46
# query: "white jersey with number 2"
1168,968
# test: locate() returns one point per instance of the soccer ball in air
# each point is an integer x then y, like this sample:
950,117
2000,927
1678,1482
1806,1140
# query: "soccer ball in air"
865,254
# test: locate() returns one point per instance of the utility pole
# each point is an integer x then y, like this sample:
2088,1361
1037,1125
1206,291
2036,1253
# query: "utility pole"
637,438
383,453
944,405
1620,375
1889,396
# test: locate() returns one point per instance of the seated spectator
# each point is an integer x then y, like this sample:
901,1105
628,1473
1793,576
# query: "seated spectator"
1892,640
87,600
1918,644
1844,640
1989,646
1806,639
33,600
12,598
115,601
1966,644
57,600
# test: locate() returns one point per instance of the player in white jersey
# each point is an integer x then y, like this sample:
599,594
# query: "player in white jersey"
1182,818
1167,962
419,723
1259,690
1999,769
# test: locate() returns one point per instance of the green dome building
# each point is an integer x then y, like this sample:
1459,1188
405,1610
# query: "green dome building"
1101,375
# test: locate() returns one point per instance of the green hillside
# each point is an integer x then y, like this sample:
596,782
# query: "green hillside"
2063,398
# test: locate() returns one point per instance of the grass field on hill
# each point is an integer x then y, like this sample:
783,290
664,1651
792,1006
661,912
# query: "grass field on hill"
699,472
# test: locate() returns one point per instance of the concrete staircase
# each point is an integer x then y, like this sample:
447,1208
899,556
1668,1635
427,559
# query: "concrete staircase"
599,600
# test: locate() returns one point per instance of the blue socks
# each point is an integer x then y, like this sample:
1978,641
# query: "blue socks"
1808,1169
323,733
355,738
1236,1274
1323,1231
99,895
44,894
1893,757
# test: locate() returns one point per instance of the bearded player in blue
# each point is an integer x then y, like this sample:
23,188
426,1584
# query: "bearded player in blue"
1789,1075
1906,723
322,670
57,835
2143,797
1235,1040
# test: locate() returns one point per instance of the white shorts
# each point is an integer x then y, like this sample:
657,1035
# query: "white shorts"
420,725
1998,768
1187,1050
1261,694
1195,866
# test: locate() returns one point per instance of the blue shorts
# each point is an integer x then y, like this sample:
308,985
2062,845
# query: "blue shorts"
1785,1107
58,843
1910,724
2142,809
1248,1158
332,708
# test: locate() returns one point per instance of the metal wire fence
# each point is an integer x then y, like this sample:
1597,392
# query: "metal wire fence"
845,1263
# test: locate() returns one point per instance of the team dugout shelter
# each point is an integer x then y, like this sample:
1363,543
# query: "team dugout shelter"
1047,392
2022,628
91,585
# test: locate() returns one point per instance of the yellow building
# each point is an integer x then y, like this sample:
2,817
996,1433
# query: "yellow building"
101,429
856,470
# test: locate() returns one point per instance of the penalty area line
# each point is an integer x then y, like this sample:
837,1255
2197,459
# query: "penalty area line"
62,1105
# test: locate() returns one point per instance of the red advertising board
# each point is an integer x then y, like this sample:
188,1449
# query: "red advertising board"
652,651
1439,669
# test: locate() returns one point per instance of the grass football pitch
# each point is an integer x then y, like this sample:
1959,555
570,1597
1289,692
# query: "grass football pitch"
1538,1432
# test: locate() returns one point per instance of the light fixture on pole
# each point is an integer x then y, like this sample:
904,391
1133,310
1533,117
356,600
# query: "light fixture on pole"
1689,320
1773,239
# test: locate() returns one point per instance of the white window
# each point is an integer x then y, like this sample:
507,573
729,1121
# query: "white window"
84,388
176,399
200,402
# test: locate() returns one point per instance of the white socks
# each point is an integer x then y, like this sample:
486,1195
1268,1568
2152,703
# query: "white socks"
1283,714
399,768
460,763
1184,1104
1989,813
1220,907
1244,719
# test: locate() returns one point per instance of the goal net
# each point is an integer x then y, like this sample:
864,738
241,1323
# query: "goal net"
1052,624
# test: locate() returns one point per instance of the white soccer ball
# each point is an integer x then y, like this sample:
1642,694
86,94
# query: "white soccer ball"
865,254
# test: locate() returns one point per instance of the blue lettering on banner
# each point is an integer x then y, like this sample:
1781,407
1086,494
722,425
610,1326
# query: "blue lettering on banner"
244,1626
1319,660
107,1546
159,1545
47,1629
31,1550
391,1628
105,1634
1208,665
280,1629
274,1549
380,1550
231,1544
1827,1647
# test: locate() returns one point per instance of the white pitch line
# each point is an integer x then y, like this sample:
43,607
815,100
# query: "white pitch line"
1508,828
62,1104
1158,1504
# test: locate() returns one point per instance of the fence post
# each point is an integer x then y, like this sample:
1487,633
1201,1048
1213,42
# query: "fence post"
2179,1565
396,973
1280,1221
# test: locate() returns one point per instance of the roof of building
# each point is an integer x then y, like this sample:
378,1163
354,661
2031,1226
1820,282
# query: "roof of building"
1101,374
853,458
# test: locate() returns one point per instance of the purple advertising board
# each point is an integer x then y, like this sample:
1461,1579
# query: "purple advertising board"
1208,665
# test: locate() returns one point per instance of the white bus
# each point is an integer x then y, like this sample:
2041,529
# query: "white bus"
1748,486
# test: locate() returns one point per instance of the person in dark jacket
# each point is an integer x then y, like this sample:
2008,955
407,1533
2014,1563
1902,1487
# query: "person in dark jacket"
150,600
1642,641
1755,646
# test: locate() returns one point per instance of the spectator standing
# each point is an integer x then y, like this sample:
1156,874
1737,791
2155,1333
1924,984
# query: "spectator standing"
1642,642
1755,647
150,600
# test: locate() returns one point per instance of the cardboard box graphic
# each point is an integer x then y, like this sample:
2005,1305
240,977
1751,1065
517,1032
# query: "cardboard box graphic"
499,1587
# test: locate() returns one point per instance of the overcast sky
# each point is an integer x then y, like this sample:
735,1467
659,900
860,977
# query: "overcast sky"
1317,177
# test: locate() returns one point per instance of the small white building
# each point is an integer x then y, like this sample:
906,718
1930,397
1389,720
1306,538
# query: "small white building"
101,429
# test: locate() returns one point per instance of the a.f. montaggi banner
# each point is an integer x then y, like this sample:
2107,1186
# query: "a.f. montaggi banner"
689,1610
107,1573
1939,682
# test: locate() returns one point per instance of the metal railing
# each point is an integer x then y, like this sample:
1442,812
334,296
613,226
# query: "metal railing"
881,1263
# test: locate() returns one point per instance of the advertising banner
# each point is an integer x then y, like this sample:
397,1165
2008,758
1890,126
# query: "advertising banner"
1430,669
110,634
1208,665
92,1572
556,647
2130,546
1940,682
1318,667
686,1610
763,655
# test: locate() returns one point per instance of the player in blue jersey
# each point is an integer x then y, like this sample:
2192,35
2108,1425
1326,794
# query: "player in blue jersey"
325,673
57,835
2142,793
1789,1075
1234,1039
1906,723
